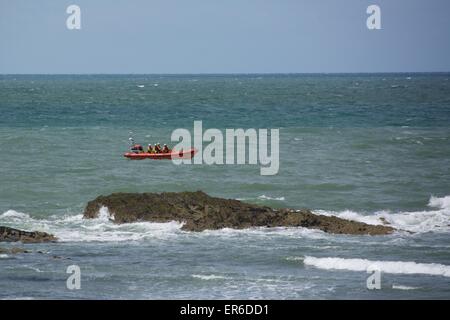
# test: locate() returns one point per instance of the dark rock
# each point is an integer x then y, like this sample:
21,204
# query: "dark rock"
16,250
384,221
200,212
12,235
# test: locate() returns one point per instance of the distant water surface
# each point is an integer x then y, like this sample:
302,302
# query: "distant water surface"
362,147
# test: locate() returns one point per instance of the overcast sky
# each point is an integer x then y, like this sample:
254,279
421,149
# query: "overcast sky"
223,36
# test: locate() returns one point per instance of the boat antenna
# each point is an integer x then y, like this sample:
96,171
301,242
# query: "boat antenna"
130,139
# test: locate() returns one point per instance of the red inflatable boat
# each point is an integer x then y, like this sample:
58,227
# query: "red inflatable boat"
183,154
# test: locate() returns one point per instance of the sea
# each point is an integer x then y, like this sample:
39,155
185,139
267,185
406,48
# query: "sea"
367,147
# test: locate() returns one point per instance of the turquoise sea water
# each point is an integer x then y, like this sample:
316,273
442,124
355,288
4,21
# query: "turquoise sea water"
356,146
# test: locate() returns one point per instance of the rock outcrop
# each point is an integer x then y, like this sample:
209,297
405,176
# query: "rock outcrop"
199,212
12,235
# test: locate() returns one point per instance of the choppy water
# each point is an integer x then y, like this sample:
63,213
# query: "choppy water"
357,146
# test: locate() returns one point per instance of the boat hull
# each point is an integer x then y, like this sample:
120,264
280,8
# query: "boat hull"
185,154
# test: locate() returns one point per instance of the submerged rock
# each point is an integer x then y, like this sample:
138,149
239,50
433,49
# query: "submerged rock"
12,235
199,212
13,250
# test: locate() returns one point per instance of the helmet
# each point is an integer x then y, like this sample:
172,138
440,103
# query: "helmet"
165,145
149,144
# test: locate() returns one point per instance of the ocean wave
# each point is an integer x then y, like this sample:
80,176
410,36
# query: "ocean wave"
394,267
437,220
33,268
400,287
14,215
209,277
4,256
74,228
263,197
442,203
264,233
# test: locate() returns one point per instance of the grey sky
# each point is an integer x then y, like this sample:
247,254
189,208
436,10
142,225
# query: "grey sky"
223,36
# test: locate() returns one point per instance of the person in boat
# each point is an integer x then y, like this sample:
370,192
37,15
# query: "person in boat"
150,149
165,149
158,148
137,148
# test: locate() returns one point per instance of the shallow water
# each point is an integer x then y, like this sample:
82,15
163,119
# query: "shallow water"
357,146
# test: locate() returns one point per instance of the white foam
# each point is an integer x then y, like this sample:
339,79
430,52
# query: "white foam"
264,197
394,267
437,220
441,203
103,229
14,215
295,258
75,228
33,268
100,230
104,214
400,287
263,232
3,256
209,277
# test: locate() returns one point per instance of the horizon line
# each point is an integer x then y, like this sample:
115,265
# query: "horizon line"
230,73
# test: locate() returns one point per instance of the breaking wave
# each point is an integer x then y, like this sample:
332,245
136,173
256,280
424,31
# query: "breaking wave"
436,220
209,277
73,228
394,267
264,198
400,287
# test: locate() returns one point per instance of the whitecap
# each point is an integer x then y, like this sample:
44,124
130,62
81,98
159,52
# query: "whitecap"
209,277
393,267
400,287
442,203
75,228
264,232
437,220
264,197
33,268
14,215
